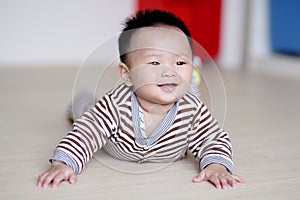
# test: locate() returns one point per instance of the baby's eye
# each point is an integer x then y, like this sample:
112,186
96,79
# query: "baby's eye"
154,63
180,63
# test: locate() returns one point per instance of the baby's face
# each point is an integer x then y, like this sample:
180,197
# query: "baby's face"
160,64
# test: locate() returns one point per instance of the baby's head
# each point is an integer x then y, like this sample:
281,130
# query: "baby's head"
149,18
156,57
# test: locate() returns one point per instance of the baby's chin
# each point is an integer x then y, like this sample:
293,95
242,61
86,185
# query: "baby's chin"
170,98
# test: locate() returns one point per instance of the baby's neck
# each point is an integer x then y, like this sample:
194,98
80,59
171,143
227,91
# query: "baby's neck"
152,119
154,109
153,116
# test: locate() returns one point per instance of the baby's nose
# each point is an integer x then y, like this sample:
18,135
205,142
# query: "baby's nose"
168,72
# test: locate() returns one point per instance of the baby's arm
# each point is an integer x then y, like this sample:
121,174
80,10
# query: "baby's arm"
89,134
211,145
57,173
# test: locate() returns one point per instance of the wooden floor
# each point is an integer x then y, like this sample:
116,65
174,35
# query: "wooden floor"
263,119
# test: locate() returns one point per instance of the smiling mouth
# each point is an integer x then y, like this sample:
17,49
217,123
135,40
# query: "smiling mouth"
167,86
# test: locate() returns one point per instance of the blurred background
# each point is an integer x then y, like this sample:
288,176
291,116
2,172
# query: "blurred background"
238,34
255,43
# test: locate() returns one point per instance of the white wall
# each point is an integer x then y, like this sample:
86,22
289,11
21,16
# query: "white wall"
232,33
57,32
244,40
259,42
64,32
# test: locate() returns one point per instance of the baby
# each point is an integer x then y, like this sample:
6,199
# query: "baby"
152,116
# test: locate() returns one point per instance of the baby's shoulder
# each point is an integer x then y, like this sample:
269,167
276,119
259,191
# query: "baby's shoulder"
192,100
118,95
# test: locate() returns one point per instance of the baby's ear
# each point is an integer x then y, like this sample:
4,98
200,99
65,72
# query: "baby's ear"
125,74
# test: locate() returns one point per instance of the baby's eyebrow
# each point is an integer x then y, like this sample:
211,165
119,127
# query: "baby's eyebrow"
183,56
158,55
152,56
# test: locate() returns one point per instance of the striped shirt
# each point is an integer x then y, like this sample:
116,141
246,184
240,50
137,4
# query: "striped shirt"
113,124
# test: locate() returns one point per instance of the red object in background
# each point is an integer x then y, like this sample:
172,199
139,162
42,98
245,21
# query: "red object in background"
201,16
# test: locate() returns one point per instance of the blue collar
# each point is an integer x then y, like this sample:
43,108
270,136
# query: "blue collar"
160,130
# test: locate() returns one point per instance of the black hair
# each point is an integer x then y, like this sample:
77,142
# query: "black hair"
149,18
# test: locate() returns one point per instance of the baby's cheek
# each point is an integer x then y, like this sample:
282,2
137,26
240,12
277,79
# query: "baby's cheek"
143,75
186,79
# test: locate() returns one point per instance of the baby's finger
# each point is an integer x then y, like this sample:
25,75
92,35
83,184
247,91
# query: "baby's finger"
73,178
200,177
223,182
48,179
216,181
41,179
231,181
237,178
58,179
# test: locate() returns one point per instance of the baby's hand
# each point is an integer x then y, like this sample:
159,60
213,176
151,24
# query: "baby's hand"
218,175
57,173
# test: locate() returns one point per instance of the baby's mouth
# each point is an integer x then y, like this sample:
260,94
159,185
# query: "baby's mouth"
167,86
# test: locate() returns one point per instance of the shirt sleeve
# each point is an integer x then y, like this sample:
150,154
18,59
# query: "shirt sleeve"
89,134
208,142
